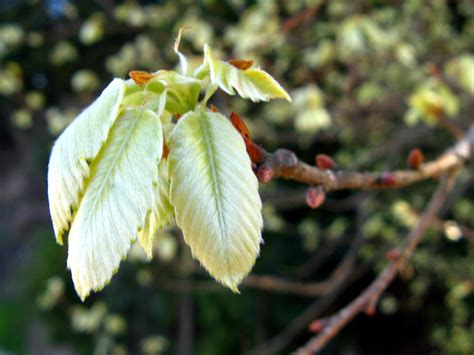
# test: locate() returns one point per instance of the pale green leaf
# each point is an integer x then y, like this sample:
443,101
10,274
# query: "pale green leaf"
117,199
183,91
161,213
215,195
74,151
255,84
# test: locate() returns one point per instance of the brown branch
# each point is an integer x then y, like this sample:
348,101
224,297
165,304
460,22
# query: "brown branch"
284,338
368,299
302,17
284,163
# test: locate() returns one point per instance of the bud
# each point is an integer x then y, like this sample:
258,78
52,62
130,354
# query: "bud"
213,108
316,326
392,255
264,174
325,162
315,196
387,179
415,158
370,310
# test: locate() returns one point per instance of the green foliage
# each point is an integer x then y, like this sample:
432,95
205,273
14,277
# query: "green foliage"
108,184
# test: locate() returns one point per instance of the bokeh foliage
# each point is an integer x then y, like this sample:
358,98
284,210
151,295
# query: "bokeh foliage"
370,80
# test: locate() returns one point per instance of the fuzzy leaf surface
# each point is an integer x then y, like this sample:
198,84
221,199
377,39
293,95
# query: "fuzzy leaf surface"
253,83
75,150
117,199
215,195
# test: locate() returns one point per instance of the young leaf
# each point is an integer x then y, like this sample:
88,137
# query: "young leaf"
215,195
75,150
183,91
161,213
255,84
117,199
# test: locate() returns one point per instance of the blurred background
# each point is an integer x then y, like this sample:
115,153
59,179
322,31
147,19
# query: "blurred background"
370,80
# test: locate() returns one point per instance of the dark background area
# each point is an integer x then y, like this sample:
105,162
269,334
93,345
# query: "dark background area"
370,80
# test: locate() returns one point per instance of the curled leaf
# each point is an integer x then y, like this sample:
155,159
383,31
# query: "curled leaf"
74,152
255,84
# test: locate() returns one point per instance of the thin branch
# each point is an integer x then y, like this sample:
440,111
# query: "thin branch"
284,163
301,17
344,274
367,300
284,338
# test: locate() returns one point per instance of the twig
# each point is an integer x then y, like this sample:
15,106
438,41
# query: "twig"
343,275
280,285
367,300
284,163
284,338
301,17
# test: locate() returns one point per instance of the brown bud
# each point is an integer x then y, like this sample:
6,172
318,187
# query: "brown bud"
264,174
315,196
415,158
387,179
325,162
241,64
370,310
213,108
316,326
392,255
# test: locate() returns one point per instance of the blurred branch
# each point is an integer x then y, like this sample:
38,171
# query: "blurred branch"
284,163
343,275
368,299
302,17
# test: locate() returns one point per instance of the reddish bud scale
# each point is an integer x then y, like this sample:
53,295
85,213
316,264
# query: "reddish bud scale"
325,162
415,158
241,64
140,77
315,196
316,326
166,151
370,310
254,151
239,125
213,108
392,255
387,179
264,174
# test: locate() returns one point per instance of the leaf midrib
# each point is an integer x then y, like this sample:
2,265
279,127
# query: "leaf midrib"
114,161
